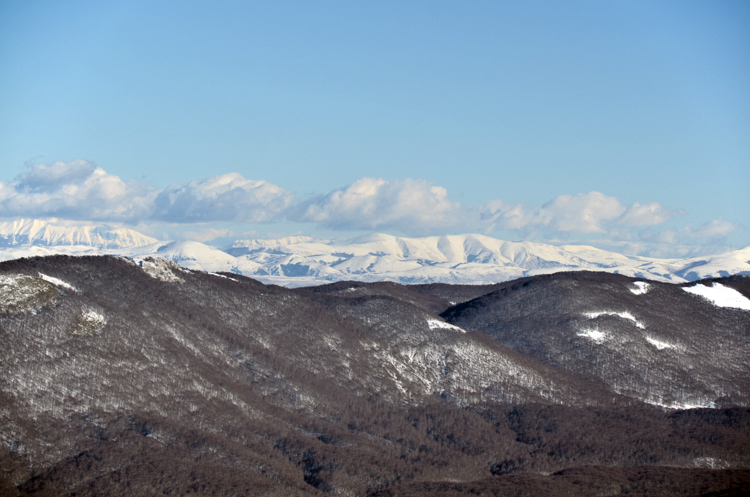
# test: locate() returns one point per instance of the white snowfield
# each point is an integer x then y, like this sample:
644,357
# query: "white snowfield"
53,232
593,334
304,261
641,288
58,282
621,314
659,344
720,295
435,324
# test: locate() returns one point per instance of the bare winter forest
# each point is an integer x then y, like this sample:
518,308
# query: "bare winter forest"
123,378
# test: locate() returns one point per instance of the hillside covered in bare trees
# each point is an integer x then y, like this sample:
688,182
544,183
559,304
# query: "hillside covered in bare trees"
143,378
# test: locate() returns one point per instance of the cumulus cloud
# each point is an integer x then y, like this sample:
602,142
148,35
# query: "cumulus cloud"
591,212
712,229
74,190
707,238
49,177
81,190
582,213
647,214
228,197
409,205
497,214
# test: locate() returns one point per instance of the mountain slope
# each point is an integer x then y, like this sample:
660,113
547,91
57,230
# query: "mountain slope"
125,377
653,340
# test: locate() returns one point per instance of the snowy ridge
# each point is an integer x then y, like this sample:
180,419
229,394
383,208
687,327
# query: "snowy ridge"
460,259
52,232
304,261
715,266
720,295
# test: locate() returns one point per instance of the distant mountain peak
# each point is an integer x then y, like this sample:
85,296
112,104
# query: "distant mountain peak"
53,232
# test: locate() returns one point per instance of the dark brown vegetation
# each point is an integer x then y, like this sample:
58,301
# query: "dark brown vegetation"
217,385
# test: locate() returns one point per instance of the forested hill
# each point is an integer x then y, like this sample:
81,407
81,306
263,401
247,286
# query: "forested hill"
125,378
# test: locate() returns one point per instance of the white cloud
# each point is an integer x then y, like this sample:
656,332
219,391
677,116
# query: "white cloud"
74,190
597,219
591,212
410,205
669,241
712,229
646,214
499,215
81,190
582,213
49,177
228,197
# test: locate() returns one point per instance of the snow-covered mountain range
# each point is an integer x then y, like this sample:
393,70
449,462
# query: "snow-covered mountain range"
48,233
469,258
301,261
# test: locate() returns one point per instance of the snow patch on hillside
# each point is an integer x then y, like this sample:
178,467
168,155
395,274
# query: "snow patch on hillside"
58,282
720,296
680,405
641,288
659,344
160,269
623,315
592,334
711,463
434,324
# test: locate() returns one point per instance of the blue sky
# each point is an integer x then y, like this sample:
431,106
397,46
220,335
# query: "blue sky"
621,124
